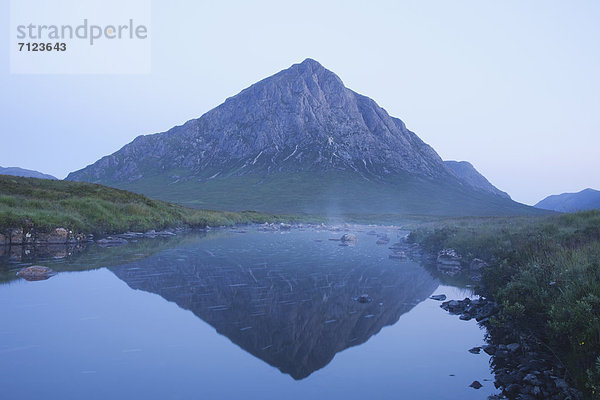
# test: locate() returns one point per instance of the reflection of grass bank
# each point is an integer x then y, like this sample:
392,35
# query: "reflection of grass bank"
545,274
92,256
89,208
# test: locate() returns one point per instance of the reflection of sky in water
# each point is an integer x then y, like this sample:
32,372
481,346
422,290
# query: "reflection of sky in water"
285,300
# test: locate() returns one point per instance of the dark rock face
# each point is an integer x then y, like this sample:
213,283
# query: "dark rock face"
467,173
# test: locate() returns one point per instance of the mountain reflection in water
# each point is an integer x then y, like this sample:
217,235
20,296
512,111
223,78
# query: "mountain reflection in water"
290,300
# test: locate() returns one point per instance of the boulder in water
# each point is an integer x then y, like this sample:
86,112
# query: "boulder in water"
348,238
476,385
364,298
36,273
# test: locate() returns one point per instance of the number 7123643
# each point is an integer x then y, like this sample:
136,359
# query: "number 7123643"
42,47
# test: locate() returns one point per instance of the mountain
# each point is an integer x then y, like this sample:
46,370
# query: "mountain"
587,199
298,141
27,173
467,173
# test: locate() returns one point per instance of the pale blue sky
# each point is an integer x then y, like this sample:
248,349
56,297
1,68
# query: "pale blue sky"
512,86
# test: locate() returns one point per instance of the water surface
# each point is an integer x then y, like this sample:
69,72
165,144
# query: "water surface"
236,313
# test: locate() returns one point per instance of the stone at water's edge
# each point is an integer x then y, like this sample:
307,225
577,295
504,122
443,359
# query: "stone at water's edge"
33,236
16,236
36,273
480,309
57,236
4,240
348,238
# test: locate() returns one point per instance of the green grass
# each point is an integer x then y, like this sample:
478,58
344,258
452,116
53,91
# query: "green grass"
330,194
545,275
90,208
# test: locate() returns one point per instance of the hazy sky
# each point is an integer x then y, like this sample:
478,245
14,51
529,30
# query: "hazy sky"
511,86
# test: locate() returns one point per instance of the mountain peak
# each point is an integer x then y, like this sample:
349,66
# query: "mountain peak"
312,63
309,66
299,136
312,73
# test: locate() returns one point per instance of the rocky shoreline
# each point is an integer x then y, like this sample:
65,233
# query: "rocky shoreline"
523,368
19,243
24,237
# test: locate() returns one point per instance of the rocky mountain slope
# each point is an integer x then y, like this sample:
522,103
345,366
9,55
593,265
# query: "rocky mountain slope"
467,173
26,173
298,141
587,199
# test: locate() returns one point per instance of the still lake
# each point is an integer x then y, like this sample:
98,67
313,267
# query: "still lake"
236,313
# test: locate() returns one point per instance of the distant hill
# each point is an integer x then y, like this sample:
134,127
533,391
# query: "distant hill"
587,199
465,171
26,173
299,142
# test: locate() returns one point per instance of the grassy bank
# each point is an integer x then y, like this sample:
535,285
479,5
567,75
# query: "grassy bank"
89,208
544,273
333,193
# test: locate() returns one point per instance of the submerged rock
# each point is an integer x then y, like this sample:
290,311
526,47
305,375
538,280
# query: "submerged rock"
36,273
438,297
364,298
476,385
112,241
399,255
